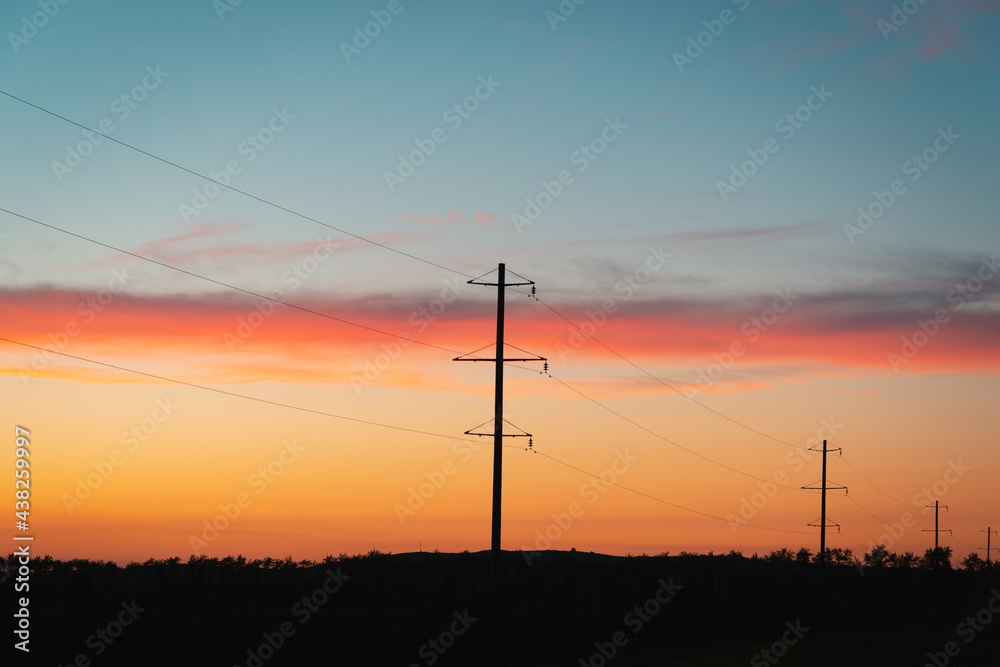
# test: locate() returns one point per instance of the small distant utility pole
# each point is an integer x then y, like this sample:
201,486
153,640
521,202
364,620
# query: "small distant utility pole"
937,529
498,433
988,532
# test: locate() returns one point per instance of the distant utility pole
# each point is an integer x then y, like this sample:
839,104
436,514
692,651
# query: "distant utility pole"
824,487
937,529
988,532
498,433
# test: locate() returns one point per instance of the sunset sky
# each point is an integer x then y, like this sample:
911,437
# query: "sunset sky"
778,220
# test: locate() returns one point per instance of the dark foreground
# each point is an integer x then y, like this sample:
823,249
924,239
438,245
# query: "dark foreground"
563,609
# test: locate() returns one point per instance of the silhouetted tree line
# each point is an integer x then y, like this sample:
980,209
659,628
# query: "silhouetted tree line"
878,557
782,583
881,557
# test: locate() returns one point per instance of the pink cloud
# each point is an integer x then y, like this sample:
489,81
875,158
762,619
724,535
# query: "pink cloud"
199,248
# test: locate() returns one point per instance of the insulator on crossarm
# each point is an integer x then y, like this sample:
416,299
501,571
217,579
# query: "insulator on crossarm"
532,290
545,367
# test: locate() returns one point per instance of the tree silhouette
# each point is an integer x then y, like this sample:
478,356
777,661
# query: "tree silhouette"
974,562
937,558
781,556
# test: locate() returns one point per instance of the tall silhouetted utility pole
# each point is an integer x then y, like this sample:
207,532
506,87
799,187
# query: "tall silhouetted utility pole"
823,488
988,532
498,433
937,528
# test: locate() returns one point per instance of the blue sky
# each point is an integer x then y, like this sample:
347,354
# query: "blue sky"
557,87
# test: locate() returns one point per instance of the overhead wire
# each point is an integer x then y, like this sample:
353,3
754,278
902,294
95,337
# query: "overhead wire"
219,282
667,440
359,237
195,385
232,188
666,502
355,324
290,211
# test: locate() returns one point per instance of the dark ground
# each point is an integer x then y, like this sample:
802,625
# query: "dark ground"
561,610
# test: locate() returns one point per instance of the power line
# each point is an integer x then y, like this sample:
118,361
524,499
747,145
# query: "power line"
664,383
386,333
361,326
220,282
228,285
880,519
667,440
666,502
877,487
851,539
229,393
955,519
355,324
363,421
380,245
230,187
383,246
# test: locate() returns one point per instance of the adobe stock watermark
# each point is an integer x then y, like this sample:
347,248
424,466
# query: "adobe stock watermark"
899,17
752,329
419,319
795,460
381,18
968,629
88,309
591,491
258,481
302,611
454,116
434,648
696,44
131,440
249,149
417,496
102,638
635,620
915,167
294,278
36,22
786,126
927,329
627,287
122,107
581,158
563,11
779,649
223,7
